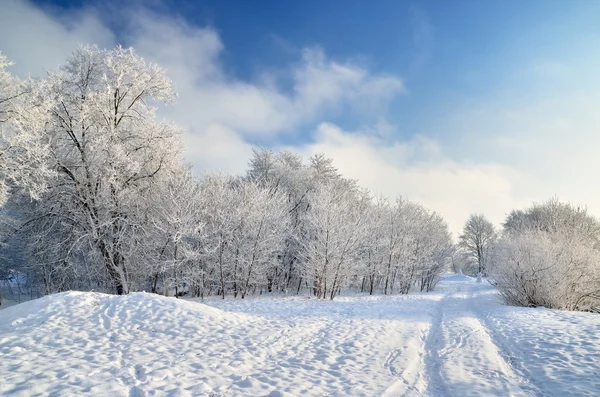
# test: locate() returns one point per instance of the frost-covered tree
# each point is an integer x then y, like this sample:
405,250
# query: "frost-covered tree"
403,246
548,256
334,223
23,148
553,216
244,225
400,228
477,239
172,232
219,202
374,248
285,173
108,149
437,248
115,209
23,151
262,220
422,247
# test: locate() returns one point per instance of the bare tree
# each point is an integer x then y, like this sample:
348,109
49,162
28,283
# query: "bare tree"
477,239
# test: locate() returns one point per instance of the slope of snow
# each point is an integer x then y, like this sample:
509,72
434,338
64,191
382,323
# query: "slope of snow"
558,350
458,341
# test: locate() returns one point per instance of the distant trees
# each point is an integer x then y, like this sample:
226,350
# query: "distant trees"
340,236
406,245
477,239
549,255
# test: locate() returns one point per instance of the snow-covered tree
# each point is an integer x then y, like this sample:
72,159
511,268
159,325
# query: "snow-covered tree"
244,226
172,232
334,222
477,240
375,244
285,173
108,150
115,209
23,148
437,248
549,257
262,220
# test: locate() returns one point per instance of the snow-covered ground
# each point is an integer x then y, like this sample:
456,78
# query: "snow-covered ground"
457,341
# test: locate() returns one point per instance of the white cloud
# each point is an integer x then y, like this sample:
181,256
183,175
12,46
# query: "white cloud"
419,170
552,140
34,41
222,114
491,156
216,109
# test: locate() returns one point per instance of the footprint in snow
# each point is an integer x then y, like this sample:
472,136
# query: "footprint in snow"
136,392
140,373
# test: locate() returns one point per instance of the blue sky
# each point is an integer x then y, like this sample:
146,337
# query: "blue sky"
445,51
465,106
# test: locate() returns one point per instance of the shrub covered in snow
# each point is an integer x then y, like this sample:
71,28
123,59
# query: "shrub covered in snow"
549,256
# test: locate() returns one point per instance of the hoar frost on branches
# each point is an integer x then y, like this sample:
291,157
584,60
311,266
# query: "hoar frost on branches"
549,256
477,241
244,229
334,231
23,147
108,149
116,208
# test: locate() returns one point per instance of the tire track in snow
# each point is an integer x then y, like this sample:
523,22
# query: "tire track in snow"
405,385
525,382
417,376
462,357
432,345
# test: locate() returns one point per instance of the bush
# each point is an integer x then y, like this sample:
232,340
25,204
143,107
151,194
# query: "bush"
554,263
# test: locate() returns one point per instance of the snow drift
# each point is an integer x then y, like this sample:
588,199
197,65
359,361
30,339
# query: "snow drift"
458,341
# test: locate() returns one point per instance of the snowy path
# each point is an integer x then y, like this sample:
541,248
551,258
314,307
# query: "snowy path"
457,341
462,358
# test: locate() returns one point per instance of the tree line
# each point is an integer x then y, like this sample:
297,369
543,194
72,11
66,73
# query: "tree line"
98,197
95,195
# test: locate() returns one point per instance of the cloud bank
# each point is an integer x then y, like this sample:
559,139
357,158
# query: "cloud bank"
488,158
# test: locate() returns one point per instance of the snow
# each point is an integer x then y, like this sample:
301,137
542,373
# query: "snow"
457,341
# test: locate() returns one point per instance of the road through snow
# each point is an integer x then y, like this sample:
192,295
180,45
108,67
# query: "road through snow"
462,358
456,341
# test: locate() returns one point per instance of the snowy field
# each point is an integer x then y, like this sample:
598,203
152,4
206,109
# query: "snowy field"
457,341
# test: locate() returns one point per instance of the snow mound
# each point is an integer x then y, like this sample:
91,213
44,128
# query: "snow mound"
98,344
76,343
76,308
455,341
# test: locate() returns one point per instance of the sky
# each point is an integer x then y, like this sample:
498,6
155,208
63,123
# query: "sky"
465,106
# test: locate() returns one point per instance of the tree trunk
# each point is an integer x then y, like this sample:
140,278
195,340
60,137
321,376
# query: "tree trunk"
387,275
221,249
155,283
